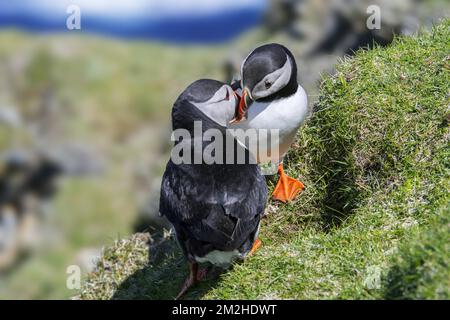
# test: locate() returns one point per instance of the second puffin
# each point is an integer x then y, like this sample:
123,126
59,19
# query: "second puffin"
272,99
214,206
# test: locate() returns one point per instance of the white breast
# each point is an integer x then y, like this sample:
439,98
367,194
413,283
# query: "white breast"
286,115
220,258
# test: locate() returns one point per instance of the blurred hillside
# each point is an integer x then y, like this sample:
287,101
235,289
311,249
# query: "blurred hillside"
108,97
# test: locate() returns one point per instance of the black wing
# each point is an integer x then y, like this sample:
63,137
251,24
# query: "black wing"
219,207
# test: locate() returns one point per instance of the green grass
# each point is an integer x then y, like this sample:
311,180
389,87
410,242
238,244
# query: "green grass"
373,221
421,268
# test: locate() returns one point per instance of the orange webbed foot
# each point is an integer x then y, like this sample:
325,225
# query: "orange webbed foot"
256,245
287,188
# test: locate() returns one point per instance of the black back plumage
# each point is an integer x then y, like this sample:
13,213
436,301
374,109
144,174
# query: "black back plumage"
216,206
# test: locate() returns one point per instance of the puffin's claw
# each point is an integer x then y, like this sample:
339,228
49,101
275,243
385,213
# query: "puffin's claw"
256,245
287,188
194,276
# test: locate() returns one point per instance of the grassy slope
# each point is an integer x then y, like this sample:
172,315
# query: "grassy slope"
374,219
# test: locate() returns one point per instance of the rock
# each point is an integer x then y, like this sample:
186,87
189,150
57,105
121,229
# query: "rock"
87,258
77,159
10,117
8,238
148,214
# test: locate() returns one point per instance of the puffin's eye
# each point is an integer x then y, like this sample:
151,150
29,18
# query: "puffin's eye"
267,84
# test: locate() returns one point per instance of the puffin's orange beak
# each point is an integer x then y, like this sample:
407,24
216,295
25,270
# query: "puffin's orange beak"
241,110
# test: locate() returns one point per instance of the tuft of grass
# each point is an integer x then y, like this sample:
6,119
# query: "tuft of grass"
373,220
420,270
124,257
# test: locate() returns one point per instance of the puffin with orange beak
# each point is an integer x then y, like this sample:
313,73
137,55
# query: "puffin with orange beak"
272,99
215,205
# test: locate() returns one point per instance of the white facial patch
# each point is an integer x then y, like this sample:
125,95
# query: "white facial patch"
277,79
219,108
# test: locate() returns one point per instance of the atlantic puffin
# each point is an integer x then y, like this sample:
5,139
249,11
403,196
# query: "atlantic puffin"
215,207
272,99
